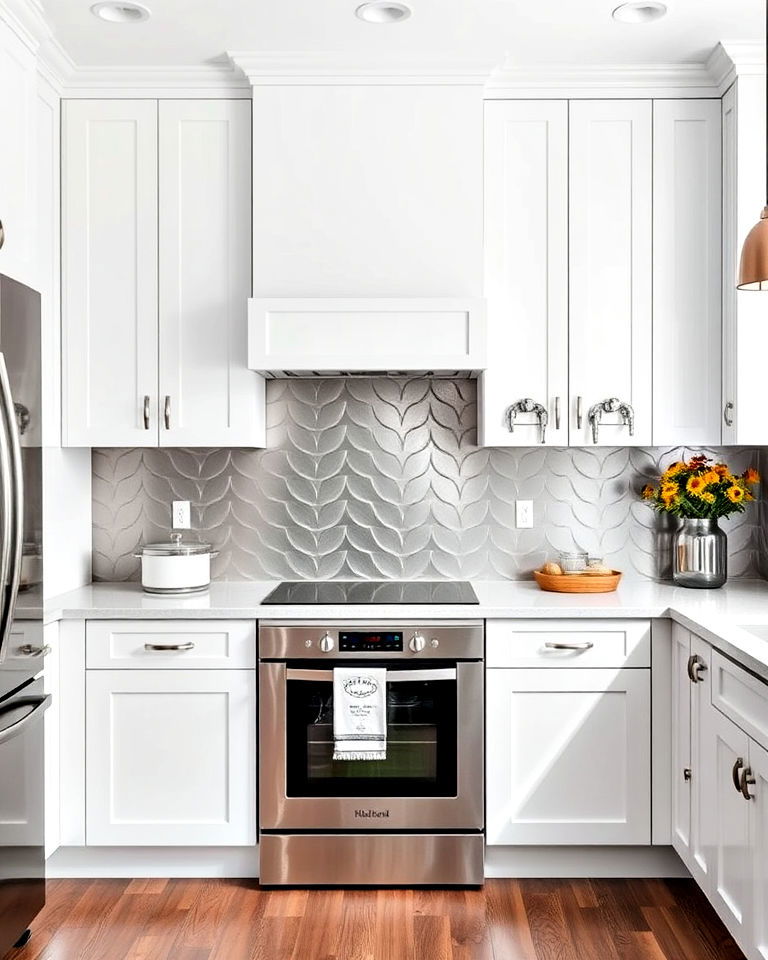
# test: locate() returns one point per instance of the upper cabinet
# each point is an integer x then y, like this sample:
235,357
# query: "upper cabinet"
524,390
18,119
610,272
745,333
155,334
602,239
686,272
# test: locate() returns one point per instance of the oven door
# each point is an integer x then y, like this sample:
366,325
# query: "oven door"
431,779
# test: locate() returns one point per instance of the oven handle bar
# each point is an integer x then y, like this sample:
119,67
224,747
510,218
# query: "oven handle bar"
393,676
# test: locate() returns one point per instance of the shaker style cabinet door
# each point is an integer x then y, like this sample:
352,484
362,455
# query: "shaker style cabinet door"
526,274
18,164
687,309
207,394
568,756
681,743
109,273
170,757
610,272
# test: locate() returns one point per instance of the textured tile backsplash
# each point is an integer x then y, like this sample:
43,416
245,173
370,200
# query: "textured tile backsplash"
382,478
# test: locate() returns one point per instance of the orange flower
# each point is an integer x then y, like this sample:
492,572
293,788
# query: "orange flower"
647,492
695,485
751,475
720,469
735,494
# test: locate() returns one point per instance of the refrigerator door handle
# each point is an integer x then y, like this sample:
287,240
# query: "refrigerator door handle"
12,504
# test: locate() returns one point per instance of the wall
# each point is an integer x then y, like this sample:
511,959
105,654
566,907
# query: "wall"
382,478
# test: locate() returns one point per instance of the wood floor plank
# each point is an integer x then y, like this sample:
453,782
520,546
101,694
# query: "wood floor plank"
506,920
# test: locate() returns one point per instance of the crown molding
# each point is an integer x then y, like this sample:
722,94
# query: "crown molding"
206,80
28,21
736,58
328,69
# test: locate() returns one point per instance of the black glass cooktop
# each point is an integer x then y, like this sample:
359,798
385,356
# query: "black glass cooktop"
372,591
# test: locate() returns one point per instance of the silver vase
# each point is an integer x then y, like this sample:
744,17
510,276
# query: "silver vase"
700,555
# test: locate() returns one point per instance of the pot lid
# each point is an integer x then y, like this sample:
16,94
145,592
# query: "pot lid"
174,548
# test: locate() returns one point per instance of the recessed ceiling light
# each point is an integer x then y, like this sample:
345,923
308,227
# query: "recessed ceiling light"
383,11
642,11
115,11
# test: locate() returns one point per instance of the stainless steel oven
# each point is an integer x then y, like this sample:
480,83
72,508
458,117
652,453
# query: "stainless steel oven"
416,816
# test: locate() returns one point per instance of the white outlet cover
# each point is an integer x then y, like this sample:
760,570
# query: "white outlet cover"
523,514
180,515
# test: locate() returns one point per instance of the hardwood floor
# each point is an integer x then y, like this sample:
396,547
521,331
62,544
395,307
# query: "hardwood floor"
507,920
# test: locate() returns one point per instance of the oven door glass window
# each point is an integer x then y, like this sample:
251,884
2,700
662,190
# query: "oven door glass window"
421,742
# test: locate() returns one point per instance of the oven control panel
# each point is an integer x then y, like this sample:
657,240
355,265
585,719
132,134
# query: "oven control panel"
366,641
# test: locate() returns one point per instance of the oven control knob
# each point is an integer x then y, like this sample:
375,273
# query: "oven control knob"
326,643
417,643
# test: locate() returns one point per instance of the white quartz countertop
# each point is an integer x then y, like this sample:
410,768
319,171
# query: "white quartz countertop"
717,615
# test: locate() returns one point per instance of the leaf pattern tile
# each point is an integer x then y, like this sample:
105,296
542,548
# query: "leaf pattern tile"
383,478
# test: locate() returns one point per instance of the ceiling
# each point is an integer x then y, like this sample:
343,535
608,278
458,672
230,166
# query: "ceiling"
194,32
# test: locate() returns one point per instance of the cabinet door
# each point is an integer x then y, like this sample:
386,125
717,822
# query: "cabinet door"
109,273
687,309
726,821
18,80
699,862
681,743
208,396
526,270
170,757
758,762
610,268
568,756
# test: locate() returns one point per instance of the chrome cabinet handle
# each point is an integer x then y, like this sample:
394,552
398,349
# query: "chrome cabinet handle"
167,412
739,763
747,781
727,414
169,646
557,413
611,405
28,650
697,668
528,406
2,234
579,414
146,411
554,645
13,507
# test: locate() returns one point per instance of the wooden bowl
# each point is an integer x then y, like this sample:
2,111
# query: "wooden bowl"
578,582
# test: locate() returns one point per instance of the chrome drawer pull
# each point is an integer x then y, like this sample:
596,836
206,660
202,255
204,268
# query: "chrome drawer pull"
169,646
747,781
29,650
552,645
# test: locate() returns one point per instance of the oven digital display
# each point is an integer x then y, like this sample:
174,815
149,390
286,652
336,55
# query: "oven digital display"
370,640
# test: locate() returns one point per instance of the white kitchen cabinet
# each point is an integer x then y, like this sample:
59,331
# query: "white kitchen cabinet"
155,334
610,270
758,835
526,271
726,817
687,308
681,774
18,122
745,335
208,395
109,273
170,757
568,756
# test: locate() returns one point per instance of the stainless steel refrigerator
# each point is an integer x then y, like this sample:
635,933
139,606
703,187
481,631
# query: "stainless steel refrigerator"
22,649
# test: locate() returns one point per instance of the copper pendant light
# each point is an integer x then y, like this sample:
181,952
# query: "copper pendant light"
753,270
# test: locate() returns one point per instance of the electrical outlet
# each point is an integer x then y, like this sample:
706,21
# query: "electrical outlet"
523,514
180,515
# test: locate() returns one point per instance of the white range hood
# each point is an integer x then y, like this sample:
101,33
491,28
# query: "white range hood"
365,336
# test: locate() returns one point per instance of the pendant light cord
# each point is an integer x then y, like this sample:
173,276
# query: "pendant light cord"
766,103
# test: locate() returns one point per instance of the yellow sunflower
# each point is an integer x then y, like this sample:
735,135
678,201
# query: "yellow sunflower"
674,468
695,486
708,497
648,492
735,494
710,477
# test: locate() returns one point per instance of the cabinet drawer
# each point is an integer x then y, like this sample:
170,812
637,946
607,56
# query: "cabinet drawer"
568,643
741,697
207,644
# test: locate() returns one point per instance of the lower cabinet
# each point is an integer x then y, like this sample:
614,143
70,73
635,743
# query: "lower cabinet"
758,762
568,756
170,757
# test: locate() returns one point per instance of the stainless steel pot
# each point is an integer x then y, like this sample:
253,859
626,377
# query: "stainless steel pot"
176,567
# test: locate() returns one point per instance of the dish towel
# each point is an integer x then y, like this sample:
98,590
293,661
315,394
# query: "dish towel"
359,713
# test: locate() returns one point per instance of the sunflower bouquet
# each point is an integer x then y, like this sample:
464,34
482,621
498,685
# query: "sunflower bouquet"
700,489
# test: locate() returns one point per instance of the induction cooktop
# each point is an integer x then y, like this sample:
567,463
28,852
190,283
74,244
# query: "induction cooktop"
372,591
